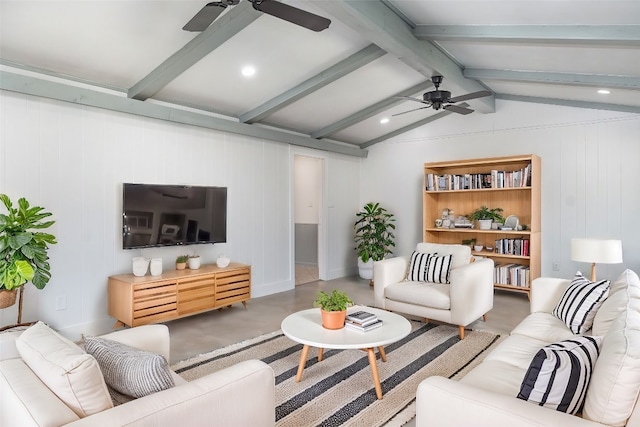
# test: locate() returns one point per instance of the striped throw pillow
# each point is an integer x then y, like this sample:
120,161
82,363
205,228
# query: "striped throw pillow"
438,268
128,370
580,303
559,374
418,267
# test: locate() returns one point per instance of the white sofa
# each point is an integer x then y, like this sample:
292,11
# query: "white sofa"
242,395
486,396
467,297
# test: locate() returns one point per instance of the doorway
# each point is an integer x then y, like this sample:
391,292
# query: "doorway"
307,195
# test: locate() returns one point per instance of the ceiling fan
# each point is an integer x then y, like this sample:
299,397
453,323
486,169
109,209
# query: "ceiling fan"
212,10
442,99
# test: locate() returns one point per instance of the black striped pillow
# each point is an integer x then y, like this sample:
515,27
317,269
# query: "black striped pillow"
438,268
418,267
559,374
580,303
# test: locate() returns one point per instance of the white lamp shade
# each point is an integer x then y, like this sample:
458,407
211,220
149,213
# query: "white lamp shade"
596,251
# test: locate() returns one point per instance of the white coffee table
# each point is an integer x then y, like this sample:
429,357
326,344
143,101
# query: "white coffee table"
305,327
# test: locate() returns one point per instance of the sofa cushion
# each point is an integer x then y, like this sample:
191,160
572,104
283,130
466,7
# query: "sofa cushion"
518,350
438,268
65,369
559,374
579,303
496,376
417,271
544,327
615,303
615,384
128,370
461,253
434,295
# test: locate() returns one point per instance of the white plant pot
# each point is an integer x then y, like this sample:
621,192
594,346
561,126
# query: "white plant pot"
223,261
155,267
140,266
194,263
365,269
485,224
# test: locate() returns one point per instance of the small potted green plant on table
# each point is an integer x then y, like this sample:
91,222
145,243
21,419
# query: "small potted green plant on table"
333,307
181,262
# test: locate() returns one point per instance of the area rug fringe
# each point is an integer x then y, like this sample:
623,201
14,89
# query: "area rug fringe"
339,390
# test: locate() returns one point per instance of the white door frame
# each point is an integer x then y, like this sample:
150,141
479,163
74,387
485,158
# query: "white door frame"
323,237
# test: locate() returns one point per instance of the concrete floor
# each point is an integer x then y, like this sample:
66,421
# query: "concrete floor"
209,331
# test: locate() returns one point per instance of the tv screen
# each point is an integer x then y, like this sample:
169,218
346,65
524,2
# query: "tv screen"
169,215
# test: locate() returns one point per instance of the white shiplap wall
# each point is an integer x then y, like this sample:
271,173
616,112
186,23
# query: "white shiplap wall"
590,167
73,160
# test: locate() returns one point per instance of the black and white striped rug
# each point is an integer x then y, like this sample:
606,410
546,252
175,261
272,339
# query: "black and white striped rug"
339,390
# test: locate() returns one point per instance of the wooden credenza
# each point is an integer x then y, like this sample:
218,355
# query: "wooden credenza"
135,301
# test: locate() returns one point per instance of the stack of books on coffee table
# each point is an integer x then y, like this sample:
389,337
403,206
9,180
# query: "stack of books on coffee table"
362,321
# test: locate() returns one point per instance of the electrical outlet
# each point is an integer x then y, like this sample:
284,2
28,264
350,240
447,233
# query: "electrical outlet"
556,266
61,303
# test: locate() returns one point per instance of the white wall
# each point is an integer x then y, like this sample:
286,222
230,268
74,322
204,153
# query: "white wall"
590,174
72,160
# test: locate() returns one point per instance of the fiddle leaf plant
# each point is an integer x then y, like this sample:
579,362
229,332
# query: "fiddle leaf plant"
23,249
335,301
374,232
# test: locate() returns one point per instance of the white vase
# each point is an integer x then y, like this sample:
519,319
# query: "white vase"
223,261
156,266
365,269
140,266
194,263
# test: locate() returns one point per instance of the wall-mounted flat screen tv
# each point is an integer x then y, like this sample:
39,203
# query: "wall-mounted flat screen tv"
169,215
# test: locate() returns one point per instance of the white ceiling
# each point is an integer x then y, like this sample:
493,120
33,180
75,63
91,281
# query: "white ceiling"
326,90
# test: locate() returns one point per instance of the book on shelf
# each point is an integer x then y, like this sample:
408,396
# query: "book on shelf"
364,328
475,181
361,318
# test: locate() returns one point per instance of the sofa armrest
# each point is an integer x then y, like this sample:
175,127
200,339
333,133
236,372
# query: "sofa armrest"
152,338
241,395
546,292
471,291
387,272
444,402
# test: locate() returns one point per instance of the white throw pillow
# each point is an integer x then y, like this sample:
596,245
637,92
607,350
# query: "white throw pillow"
73,375
615,384
559,374
615,303
580,302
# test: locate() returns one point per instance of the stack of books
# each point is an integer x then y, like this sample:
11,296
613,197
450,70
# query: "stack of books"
362,321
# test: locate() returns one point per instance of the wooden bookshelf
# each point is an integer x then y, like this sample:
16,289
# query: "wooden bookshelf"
516,197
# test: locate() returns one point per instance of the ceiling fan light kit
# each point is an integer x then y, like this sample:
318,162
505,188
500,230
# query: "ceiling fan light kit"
211,11
441,99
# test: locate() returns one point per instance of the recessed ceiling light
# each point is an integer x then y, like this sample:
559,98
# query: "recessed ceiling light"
604,92
248,71
384,120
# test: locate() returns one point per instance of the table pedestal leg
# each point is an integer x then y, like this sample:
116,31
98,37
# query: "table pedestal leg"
374,371
303,361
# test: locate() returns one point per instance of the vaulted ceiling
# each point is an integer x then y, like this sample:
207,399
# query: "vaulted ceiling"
329,89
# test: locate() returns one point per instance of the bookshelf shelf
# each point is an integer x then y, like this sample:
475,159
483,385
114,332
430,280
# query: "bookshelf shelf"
511,183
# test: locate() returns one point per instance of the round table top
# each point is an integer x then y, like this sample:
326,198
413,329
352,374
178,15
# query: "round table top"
305,327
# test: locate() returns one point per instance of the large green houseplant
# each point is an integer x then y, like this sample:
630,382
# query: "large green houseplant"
373,236
23,248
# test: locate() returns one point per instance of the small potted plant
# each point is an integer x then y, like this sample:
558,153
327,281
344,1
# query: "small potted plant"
333,307
373,236
486,216
181,262
194,262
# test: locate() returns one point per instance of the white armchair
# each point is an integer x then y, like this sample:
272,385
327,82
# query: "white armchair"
467,297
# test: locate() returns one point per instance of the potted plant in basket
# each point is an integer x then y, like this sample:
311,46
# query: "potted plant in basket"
486,216
373,236
333,307
23,249
181,262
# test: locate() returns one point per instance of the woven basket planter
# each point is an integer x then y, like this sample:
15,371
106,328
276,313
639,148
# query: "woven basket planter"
8,298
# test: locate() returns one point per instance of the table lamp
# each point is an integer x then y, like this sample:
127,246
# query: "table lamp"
596,251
